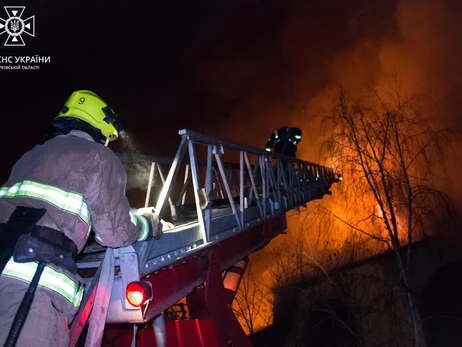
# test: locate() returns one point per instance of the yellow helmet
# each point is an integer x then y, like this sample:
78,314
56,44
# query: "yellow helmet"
90,108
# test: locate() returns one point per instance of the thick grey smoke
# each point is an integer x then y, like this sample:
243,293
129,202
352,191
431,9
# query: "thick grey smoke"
263,65
260,65
137,175
276,63
266,64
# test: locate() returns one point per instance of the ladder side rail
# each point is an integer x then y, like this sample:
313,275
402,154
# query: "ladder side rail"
253,185
186,180
171,177
172,206
233,182
217,152
296,183
268,184
145,248
196,184
289,168
276,188
230,171
281,182
263,185
229,177
267,180
271,187
208,190
268,190
247,183
236,180
291,184
206,140
218,185
151,176
183,243
261,180
256,176
285,184
245,189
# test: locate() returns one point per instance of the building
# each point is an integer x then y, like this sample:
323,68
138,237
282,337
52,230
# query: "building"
359,304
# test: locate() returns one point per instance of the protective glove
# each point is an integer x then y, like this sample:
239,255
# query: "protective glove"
166,225
154,224
153,218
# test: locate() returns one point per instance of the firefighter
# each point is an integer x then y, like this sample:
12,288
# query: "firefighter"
284,141
56,193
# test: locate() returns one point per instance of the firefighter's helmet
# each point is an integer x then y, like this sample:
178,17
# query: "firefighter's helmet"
90,108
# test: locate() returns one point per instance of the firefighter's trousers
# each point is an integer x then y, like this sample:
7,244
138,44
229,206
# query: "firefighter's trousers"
45,326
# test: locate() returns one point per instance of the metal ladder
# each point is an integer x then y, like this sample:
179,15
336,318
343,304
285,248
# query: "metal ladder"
214,191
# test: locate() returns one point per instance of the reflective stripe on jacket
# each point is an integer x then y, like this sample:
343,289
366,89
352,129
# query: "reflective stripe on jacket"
51,279
80,183
66,201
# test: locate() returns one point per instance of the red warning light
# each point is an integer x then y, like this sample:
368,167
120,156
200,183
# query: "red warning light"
138,293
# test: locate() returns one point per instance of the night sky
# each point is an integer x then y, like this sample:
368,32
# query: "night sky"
234,69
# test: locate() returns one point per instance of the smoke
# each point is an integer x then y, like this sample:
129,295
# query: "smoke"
127,143
137,173
275,63
413,48
280,62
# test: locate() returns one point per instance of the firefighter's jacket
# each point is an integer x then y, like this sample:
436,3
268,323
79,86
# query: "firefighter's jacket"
284,141
81,184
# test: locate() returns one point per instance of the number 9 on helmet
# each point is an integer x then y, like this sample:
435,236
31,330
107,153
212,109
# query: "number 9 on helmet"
90,108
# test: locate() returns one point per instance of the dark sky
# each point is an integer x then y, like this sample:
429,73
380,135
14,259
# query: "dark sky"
235,69
131,55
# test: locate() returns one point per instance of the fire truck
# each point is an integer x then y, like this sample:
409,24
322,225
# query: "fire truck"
222,201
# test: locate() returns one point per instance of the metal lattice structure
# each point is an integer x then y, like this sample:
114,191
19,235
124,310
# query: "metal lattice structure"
220,196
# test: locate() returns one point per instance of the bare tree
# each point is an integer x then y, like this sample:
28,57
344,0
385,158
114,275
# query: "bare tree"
252,305
388,154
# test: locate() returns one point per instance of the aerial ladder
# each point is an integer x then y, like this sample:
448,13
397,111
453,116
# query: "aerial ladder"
223,201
